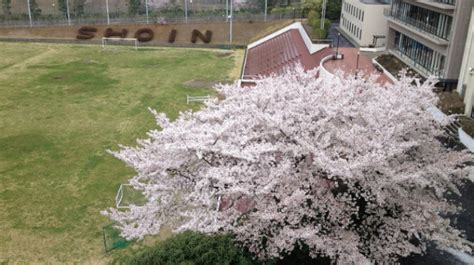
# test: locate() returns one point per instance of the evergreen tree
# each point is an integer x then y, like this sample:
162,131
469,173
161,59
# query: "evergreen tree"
6,7
62,7
134,6
34,8
78,7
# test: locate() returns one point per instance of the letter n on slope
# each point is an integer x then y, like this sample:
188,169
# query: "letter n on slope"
205,38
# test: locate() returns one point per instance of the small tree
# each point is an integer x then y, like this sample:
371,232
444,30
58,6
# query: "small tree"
134,6
78,7
6,7
62,7
34,9
346,168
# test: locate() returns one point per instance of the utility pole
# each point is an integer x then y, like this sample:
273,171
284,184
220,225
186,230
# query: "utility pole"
29,12
67,13
107,10
186,11
323,13
266,8
230,24
146,11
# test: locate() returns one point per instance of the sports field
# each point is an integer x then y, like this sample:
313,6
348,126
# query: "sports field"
61,108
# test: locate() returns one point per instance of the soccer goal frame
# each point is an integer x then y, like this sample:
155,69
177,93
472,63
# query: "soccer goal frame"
106,40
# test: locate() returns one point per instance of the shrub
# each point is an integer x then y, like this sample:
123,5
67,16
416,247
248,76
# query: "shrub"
86,33
319,33
206,38
144,35
191,248
172,36
313,17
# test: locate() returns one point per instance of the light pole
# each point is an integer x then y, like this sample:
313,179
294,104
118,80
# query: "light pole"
337,45
231,17
186,11
107,10
146,11
323,15
67,13
266,8
29,12
357,63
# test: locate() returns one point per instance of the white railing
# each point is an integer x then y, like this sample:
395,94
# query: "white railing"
190,99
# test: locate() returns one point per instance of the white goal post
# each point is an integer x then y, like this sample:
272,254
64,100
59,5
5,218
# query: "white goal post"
106,41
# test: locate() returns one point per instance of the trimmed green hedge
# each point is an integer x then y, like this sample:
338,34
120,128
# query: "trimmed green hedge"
190,248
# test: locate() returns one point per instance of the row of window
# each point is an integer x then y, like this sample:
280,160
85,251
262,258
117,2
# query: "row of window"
351,27
353,10
449,2
430,60
427,20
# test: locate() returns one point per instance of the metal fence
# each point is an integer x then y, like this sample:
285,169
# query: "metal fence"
80,12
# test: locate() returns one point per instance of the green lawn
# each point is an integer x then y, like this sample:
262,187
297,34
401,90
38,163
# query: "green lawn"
61,108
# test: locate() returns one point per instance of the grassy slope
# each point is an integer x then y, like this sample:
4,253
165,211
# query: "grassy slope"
61,108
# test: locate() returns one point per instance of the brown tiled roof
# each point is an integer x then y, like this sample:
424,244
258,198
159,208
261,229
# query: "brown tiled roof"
279,53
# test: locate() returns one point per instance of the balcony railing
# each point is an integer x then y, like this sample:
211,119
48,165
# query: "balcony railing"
438,73
418,25
448,2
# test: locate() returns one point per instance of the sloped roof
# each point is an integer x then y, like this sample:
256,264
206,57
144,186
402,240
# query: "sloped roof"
281,50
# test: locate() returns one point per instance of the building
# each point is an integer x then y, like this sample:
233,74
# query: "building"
466,78
363,22
429,35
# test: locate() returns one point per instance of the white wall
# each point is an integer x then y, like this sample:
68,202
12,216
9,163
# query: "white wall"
372,23
466,76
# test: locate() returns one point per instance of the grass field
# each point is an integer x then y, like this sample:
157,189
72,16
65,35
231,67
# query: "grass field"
61,108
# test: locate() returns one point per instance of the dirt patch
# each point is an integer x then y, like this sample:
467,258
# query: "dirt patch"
450,102
394,66
467,125
223,54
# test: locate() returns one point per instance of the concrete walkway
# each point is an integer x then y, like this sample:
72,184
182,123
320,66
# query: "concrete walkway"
343,42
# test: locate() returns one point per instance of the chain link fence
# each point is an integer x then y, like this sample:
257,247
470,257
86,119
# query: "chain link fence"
80,12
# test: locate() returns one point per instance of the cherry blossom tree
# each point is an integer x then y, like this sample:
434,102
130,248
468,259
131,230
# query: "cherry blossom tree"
351,169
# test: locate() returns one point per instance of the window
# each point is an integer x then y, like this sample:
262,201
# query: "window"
427,20
425,57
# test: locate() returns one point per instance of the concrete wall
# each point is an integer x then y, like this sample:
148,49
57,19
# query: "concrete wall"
374,22
466,78
457,42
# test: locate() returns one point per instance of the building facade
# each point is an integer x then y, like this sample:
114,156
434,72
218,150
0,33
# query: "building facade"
363,22
466,78
429,35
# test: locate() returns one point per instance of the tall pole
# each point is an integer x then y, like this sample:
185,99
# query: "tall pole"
230,25
226,10
67,13
266,4
146,11
107,10
337,45
357,63
323,15
29,12
186,11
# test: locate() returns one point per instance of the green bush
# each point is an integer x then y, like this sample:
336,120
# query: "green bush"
191,248
313,17
319,33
